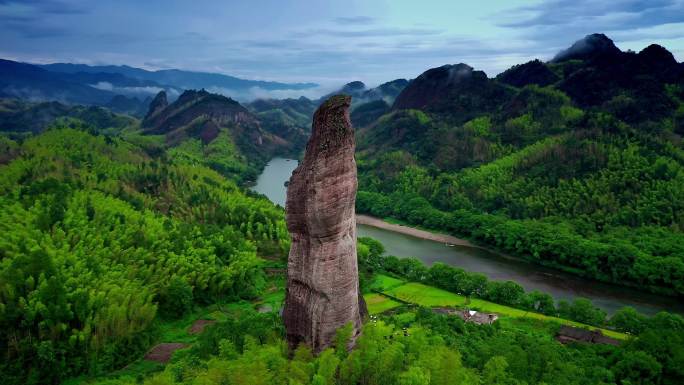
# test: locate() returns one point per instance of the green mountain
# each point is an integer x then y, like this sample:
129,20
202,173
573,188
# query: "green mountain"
291,118
288,118
216,131
576,163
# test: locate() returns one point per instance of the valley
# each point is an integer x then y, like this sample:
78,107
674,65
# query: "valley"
495,266
455,225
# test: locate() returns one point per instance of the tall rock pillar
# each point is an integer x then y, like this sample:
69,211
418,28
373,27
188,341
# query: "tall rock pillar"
322,273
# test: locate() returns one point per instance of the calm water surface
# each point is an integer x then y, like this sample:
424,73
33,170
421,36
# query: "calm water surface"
495,266
271,182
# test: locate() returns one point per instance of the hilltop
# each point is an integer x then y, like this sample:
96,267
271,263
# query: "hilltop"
575,163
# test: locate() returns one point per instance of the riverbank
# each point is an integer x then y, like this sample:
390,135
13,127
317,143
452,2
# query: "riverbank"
422,234
394,290
431,247
403,241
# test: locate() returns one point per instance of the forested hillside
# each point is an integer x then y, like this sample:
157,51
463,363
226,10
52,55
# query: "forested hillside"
98,238
105,246
576,163
219,132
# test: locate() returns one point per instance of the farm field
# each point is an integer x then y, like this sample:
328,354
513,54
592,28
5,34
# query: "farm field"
423,295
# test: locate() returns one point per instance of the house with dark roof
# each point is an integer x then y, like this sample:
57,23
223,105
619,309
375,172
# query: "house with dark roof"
567,334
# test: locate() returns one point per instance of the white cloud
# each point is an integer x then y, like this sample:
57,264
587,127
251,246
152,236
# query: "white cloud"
254,93
143,92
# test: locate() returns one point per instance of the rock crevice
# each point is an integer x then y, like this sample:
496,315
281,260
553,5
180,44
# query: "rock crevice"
322,274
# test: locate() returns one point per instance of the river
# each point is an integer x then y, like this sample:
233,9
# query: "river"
494,265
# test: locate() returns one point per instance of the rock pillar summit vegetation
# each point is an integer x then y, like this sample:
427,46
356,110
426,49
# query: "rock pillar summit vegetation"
322,273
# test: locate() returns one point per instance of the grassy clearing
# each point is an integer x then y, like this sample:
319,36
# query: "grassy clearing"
431,296
378,303
177,330
274,299
383,282
273,295
425,295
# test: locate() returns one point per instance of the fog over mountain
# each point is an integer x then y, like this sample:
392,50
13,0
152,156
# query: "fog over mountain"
307,192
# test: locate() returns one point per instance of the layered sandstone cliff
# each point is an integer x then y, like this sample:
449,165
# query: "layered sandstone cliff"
322,273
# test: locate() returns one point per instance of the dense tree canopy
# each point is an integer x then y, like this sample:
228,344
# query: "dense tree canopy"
578,190
96,237
420,347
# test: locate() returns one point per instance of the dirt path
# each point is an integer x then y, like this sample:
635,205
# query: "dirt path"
379,223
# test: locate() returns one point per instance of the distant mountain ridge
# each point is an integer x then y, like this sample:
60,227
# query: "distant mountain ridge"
26,81
578,71
178,78
360,94
19,117
124,89
291,118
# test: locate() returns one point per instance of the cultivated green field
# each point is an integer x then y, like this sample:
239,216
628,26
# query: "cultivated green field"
429,296
378,303
383,282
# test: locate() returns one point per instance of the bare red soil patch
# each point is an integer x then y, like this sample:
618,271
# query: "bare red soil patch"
162,352
199,325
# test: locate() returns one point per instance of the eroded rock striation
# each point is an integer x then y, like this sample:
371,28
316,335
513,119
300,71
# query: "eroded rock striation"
322,273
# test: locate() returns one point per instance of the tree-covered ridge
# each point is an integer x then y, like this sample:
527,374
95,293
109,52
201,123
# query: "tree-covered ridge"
606,209
21,118
97,238
289,119
198,119
579,165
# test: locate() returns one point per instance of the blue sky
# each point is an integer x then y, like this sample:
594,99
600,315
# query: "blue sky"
326,42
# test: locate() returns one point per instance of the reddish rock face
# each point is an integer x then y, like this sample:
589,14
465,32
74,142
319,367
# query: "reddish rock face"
322,273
